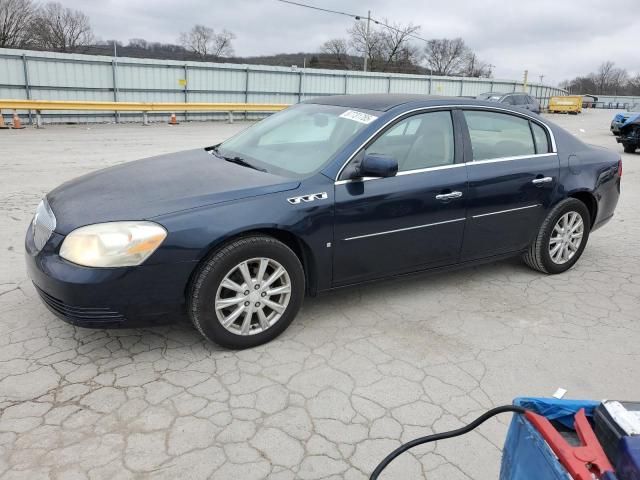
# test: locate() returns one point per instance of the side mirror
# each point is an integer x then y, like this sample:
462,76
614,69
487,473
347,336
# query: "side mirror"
377,165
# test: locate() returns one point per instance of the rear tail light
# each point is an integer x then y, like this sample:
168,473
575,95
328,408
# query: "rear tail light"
620,168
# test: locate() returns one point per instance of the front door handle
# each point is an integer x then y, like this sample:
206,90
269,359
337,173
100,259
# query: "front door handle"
539,181
448,196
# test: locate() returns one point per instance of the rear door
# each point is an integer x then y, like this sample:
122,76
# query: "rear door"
512,176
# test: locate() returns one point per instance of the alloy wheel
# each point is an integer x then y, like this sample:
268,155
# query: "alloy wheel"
252,296
566,237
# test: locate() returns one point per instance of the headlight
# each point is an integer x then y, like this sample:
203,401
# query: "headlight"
114,244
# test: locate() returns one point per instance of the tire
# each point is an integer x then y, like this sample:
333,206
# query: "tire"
207,295
538,256
629,148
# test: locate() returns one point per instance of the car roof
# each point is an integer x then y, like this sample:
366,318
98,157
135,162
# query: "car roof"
383,102
379,101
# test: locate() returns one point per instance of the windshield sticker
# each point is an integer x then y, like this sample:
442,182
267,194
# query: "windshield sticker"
360,117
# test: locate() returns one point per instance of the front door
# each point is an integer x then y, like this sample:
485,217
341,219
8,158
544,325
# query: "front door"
409,222
511,182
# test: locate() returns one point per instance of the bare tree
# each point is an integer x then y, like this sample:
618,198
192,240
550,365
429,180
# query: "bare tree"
602,77
338,49
386,46
619,78
634,85
62,29
138,43
365,45
204,42
474,67
222,46
15,18
396,47
446,56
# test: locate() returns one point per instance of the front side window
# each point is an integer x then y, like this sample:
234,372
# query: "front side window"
498,135
298,141
420,141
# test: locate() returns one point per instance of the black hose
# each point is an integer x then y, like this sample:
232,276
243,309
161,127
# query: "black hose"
441,436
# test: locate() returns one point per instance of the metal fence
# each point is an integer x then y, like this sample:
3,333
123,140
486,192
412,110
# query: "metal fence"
56,76
617,102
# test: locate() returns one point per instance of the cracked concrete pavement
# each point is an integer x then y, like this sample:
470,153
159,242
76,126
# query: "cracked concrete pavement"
358,372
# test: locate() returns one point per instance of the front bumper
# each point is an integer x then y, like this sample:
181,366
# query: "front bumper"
107,297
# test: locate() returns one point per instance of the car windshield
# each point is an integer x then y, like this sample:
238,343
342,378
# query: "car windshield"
297,141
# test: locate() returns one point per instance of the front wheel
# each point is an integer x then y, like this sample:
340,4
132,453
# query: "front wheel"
247,293
561,239
629,148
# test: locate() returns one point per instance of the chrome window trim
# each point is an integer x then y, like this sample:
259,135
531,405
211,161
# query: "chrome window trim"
400,174
387,232
506,159
554,150
443,167
506,211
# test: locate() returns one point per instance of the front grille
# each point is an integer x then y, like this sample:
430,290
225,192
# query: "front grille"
43,224
89,316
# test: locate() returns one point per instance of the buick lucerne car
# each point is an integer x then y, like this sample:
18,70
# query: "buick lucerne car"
328,193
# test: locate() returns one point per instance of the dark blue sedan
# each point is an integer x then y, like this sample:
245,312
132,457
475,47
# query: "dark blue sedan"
331,192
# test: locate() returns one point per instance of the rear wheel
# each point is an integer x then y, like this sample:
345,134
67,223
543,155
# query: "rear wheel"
561,239
247,293
629,148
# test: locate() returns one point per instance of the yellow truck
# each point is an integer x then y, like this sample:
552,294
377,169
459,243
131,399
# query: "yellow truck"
567,104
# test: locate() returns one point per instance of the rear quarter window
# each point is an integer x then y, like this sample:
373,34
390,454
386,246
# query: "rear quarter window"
540,138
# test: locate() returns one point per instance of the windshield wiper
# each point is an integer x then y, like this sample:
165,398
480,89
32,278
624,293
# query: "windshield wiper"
243,162
237,160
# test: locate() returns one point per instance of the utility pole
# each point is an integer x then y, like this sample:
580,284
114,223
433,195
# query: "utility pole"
491,67
114,69
541,77
524,80
366,50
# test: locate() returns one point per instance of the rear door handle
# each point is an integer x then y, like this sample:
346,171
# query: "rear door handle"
448,196
538,181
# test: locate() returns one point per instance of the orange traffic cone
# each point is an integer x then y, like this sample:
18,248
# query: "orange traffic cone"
173,120
17,124
2,124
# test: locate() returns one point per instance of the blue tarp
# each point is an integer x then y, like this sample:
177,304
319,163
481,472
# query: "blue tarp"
562,411
526,455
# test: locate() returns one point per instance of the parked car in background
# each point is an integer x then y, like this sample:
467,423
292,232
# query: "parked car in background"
620,118
331,192
589,101
629,132
521,100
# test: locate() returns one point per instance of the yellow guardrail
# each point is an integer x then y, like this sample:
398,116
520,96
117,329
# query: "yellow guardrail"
139,106
144,107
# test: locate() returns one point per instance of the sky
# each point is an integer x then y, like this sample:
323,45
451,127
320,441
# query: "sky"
559,39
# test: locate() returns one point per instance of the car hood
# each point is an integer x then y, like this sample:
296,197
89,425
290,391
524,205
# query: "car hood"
147,188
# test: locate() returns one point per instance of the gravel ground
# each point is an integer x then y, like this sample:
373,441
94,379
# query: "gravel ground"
358,372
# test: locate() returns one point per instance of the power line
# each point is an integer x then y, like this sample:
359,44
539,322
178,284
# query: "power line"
355,16
313,7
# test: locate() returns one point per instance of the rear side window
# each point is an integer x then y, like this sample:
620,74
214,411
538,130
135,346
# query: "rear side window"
522,99
498,135
540,137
